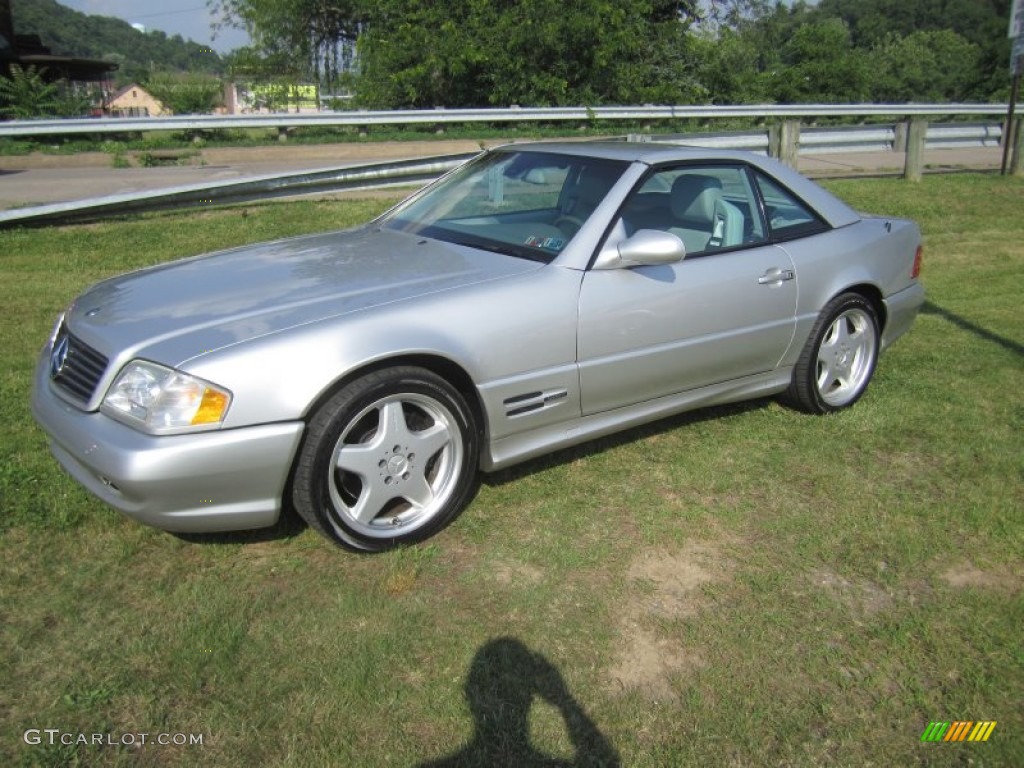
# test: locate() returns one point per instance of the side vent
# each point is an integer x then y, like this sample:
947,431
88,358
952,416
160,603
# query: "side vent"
520,405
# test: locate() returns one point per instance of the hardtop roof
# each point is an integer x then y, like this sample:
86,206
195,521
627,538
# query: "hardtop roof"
831,208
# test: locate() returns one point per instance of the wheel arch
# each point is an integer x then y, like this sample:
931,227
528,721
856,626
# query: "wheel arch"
442,366
873,295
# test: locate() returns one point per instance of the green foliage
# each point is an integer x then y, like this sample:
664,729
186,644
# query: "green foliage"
251,64
873,23
27,94
309,38
928,65
70,33
467,53
185,94
72,101
471,53
855,50
724,68
535,53
821,64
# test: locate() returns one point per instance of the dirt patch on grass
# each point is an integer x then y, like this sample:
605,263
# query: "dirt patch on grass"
647,662
968,575
862,597
509,573
662,588
672,580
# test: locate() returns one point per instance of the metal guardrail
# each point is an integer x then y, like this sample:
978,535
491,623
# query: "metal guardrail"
965,136
402,173
506,115
880,138
373,176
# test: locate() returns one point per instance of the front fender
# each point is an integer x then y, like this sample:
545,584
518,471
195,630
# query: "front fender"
492,331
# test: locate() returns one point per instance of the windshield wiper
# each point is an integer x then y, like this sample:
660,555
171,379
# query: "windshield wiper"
492,246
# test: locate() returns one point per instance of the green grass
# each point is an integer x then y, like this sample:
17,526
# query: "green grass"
740,586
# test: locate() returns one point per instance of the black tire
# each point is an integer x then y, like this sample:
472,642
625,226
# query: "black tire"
839,358
389,460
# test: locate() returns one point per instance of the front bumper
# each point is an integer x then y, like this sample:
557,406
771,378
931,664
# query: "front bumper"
208,481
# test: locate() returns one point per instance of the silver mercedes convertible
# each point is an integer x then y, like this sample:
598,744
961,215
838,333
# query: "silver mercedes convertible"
538,296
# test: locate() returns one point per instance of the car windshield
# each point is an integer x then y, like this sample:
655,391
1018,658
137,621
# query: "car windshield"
520,203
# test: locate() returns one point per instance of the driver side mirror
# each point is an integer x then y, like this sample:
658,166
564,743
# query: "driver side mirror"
645,248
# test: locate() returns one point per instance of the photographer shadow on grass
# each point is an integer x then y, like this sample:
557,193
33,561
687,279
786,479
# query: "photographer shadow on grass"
503,681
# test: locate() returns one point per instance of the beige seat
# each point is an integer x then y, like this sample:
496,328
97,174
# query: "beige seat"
702,218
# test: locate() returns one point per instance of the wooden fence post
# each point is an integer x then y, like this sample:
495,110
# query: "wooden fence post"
899,140
1016,166
784,142
913,169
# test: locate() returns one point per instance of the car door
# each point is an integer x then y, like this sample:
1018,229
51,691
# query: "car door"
725,312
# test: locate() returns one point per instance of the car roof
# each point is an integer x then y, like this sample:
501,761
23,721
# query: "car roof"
649,152
831,208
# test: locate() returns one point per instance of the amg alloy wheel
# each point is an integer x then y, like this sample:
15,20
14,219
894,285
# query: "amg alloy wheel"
390,459
839,359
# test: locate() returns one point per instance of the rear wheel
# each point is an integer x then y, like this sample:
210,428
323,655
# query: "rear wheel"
390,459
839,358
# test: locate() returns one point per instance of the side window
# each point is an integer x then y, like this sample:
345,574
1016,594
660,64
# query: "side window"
787,216
710,208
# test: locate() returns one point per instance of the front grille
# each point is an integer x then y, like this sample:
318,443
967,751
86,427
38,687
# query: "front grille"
75,366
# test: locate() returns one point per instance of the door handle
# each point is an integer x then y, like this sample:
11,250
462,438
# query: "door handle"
775,275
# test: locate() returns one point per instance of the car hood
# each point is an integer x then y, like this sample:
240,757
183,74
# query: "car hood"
208,302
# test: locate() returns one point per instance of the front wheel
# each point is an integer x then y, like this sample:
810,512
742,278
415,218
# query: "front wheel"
839,358
390,459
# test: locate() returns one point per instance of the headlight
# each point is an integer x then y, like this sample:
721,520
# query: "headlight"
159,399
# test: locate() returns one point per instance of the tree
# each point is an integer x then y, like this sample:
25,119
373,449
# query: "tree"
314,37
820,64
419,54
75,100
981,22
70,33
416,53
928,65
27,94
741,44
475,52
726,68
872,21
189,94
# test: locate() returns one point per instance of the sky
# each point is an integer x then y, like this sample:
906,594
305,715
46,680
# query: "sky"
189,18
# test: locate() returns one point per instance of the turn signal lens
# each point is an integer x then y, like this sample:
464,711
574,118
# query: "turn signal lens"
212,407
915,272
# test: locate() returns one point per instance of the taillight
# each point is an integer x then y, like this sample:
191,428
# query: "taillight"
915,271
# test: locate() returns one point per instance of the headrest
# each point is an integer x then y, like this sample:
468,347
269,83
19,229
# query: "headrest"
694,196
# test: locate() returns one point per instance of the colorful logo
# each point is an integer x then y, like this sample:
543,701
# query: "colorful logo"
959,730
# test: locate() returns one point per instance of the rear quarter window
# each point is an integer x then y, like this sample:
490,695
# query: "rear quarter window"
788,216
